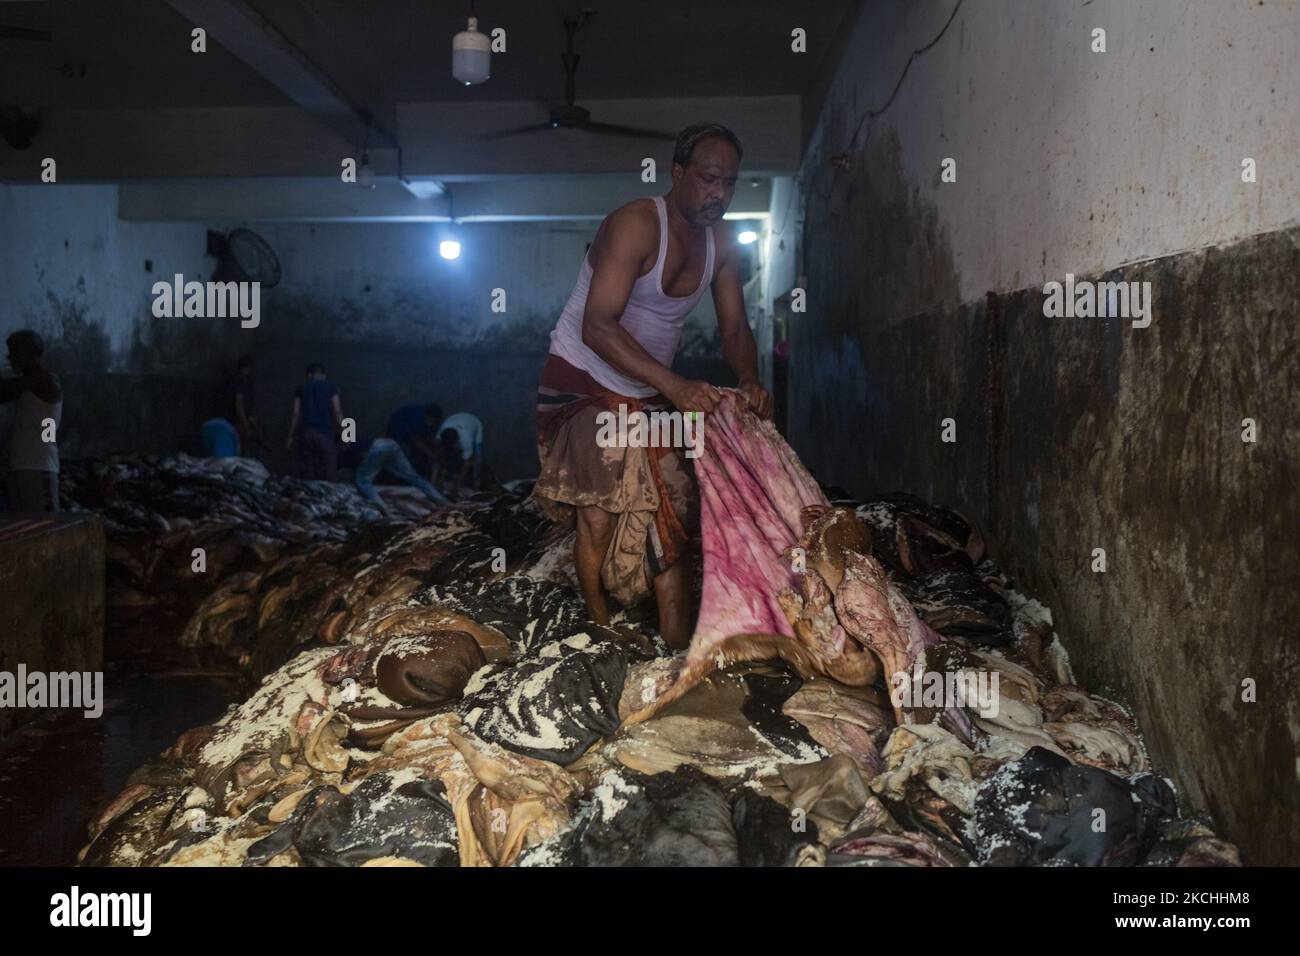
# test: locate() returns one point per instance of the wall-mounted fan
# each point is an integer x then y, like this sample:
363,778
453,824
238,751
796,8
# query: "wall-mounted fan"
243,256
18,128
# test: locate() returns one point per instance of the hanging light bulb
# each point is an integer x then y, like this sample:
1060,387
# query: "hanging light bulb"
471,55
366,174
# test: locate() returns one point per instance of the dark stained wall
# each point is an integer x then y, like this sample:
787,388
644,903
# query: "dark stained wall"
392,322
1075,434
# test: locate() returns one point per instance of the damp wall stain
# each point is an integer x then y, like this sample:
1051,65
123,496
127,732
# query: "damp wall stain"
1075,434
392,322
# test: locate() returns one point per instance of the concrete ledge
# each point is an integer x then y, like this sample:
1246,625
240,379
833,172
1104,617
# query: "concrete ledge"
52,612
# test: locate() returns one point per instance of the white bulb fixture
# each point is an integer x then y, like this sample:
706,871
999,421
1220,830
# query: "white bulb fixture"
748,236
449,249
471,55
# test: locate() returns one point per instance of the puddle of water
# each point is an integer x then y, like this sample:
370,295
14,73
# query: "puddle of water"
57,771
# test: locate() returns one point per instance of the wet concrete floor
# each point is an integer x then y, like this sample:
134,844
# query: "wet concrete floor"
56,772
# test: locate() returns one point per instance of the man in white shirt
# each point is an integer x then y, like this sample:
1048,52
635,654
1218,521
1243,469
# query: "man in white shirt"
651,261
33,445
460,451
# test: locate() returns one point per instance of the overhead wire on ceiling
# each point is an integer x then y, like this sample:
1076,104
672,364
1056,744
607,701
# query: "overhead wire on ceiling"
898,85
872,114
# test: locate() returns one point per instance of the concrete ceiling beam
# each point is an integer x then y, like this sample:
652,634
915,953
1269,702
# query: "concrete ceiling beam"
559,198
440,140
242,30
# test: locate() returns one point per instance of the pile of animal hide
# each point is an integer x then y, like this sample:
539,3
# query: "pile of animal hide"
437,697
158,511
335,592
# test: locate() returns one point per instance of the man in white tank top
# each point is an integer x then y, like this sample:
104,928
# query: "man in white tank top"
33,448
650,262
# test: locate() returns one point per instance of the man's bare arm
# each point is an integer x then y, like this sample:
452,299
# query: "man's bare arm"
737,340
738,345
40,383
11,388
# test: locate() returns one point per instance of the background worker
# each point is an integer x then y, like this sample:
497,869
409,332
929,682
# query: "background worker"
460,451
33,443
414,427
369,459
317,406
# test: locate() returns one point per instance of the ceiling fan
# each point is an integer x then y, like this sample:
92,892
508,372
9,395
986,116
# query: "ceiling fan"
569,115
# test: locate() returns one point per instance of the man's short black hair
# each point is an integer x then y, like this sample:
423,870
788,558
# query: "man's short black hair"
689,137
434,412
315,367
26,340
449,437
